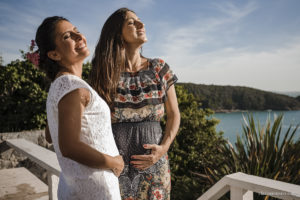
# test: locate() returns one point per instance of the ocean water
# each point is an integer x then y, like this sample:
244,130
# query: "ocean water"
231,123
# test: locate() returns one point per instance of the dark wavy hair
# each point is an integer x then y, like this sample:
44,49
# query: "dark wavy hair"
109,59
45,40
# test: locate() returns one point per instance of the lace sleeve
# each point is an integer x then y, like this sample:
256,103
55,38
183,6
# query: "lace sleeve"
66,84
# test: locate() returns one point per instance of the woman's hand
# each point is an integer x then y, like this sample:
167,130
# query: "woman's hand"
117,170
143,162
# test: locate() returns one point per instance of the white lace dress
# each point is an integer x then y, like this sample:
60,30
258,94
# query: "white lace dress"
79,181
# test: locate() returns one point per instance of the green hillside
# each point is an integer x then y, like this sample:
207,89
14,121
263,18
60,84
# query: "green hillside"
228,98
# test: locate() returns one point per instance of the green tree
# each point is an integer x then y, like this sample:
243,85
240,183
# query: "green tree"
1,60
194,148
22,97
86,68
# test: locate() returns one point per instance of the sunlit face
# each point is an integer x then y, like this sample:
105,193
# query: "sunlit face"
133,30
71,45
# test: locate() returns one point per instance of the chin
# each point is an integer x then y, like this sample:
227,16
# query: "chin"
143,40
86,53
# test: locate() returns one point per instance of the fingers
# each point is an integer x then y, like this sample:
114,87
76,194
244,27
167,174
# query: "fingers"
142,166
139,162
119,166
117,172
142,157
150,146
142,162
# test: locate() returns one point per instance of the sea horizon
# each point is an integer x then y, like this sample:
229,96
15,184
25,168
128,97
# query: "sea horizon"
231,122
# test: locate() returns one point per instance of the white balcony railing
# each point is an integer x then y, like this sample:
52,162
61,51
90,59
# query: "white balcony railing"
43,157
242,186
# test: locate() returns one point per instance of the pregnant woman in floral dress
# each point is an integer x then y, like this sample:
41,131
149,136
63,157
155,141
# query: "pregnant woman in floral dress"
138,90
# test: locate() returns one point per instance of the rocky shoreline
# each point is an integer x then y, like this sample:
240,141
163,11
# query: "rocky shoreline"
10,158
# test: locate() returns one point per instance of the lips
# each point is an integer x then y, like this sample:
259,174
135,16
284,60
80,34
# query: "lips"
80,46
141,31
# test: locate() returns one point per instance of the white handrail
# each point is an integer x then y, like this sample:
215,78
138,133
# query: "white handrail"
242,186
43,157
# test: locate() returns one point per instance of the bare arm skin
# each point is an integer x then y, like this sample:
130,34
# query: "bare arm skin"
47,134
70,110
143,162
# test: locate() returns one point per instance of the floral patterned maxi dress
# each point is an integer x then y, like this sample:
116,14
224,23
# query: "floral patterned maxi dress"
138,109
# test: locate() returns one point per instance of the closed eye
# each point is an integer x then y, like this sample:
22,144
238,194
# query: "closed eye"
67,35
130,22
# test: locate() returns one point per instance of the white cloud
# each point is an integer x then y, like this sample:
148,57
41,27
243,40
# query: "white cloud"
234,11
208,31
199,52
276,70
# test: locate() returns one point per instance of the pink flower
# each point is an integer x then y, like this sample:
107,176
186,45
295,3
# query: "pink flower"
33,58
32,45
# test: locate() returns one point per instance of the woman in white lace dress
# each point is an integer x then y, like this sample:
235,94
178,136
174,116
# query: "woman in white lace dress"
78,119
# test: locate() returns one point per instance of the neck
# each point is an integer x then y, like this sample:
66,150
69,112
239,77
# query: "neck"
73,69
135,60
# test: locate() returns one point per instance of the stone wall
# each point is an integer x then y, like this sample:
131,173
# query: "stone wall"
10,158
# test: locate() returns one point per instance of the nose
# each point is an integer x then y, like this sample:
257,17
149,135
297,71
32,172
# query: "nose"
77,36
139,24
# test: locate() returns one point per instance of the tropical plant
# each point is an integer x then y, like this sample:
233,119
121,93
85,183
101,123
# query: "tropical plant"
263,151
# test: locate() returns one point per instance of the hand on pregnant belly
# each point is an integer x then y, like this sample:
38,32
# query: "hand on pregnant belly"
143,162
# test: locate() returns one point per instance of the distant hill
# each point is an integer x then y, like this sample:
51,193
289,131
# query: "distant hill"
291,94
229,98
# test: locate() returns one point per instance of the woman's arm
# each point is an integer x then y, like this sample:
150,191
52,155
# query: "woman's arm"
47,134
173,119
157,151
70,110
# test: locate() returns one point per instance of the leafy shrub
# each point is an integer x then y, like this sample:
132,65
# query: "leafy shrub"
194,148
22,97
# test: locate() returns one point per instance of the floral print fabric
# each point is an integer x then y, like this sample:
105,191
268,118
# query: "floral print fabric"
140,95
138,109
152,183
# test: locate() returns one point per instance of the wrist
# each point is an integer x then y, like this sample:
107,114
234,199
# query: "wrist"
111,162
165,148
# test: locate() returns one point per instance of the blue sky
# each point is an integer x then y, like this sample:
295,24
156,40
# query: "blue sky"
253,43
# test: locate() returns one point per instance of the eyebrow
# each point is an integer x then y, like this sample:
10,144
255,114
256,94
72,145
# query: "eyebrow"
74,29
133,18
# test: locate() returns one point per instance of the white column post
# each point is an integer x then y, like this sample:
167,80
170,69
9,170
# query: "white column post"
240,194
52,185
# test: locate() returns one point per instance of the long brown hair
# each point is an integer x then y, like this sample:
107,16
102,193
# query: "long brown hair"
109,59
45,40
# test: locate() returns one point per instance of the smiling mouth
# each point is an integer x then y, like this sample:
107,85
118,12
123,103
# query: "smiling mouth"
81,46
